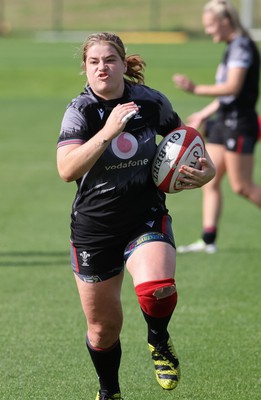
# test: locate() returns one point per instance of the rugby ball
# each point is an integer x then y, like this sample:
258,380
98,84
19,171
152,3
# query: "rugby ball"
183,146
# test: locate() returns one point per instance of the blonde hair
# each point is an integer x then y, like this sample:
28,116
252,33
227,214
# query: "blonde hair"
135,64
225,9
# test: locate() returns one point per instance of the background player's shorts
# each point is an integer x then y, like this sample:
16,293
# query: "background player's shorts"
96,263
238,134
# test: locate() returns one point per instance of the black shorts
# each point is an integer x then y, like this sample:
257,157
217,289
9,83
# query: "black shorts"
95,263
238,134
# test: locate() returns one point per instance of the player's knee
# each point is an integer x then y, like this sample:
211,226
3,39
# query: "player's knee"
157,298
100,346
105,333
241,190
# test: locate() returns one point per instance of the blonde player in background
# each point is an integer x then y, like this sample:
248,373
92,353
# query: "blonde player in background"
230,120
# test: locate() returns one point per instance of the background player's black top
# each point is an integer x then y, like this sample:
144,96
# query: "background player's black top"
241,52
118,191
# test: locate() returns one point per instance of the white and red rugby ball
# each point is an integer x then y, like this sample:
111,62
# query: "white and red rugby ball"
183,146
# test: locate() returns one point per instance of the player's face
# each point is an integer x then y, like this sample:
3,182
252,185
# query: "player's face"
215,27
105,70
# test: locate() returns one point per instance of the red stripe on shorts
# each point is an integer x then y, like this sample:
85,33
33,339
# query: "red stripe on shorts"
164,224
240,144
77,269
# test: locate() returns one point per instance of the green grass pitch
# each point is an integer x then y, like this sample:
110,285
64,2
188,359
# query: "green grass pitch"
216,326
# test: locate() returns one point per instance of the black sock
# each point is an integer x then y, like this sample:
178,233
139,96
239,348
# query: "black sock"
157,328
107,363
209,235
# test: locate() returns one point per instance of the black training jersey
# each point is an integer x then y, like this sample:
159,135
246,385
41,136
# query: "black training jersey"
118,190
241,52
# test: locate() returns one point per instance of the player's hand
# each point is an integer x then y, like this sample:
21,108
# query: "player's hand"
193,178
196,120
118,118
184,83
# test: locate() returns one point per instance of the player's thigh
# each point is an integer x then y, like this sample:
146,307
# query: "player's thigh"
152,261
217,155
239,169
101,301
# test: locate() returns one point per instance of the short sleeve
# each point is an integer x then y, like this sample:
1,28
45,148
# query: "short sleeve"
73,128
240,54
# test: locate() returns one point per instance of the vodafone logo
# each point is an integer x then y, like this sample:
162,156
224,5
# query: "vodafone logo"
124,146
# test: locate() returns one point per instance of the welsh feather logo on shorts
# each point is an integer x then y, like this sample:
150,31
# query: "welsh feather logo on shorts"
85,257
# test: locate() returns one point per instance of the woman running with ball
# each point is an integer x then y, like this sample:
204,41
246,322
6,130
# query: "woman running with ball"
107,144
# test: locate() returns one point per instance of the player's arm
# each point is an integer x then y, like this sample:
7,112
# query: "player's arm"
74,160
197,118
232,85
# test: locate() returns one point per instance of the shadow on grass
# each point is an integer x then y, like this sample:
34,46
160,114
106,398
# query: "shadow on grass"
33,258
49,258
